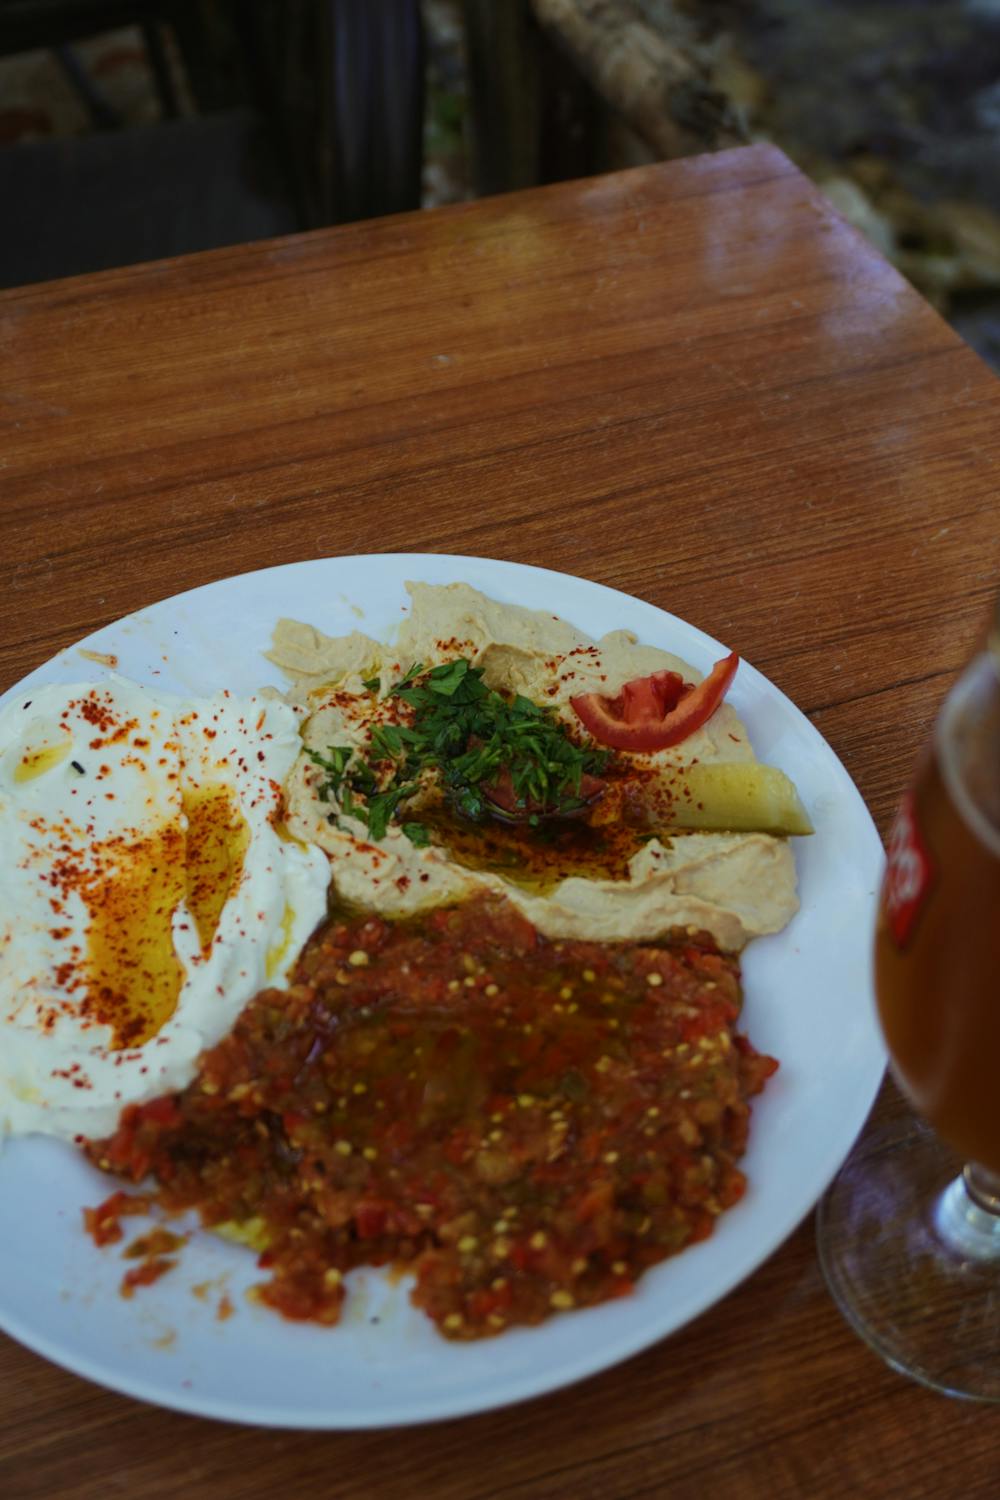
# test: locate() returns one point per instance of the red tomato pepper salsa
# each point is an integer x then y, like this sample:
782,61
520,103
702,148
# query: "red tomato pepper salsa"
526,1125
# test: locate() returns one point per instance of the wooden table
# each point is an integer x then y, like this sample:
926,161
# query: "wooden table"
690,381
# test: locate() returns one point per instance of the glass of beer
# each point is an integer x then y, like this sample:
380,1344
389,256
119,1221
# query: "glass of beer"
909,1233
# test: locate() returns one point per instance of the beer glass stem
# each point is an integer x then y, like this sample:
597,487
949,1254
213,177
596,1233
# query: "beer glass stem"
967,1216
911,1254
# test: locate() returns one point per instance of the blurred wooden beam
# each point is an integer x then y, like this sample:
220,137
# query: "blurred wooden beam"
502,58
535,117
658,80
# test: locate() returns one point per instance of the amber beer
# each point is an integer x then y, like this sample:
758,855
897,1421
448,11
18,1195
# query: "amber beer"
937,950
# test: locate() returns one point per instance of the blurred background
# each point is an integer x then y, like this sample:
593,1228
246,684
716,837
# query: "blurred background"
136,129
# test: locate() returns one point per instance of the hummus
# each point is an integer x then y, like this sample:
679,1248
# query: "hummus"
734,885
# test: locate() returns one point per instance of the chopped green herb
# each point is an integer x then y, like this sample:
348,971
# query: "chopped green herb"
469,737
373,684
408,676
387,741
334,766
382,807
448,677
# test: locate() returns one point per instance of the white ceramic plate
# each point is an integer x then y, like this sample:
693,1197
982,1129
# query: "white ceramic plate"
808,1002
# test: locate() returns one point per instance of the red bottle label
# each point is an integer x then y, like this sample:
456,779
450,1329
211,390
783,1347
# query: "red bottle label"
908,874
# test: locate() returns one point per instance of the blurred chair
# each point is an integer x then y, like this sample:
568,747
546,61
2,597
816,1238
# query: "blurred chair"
308,112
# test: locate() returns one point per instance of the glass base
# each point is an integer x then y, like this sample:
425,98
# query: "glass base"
913,1261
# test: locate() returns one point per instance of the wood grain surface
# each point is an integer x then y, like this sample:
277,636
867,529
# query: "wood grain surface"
690,381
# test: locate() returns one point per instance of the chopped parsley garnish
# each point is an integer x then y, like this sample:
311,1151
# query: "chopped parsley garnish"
334,764
407,677
474,739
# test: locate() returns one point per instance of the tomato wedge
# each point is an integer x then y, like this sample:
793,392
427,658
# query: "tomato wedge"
655,712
